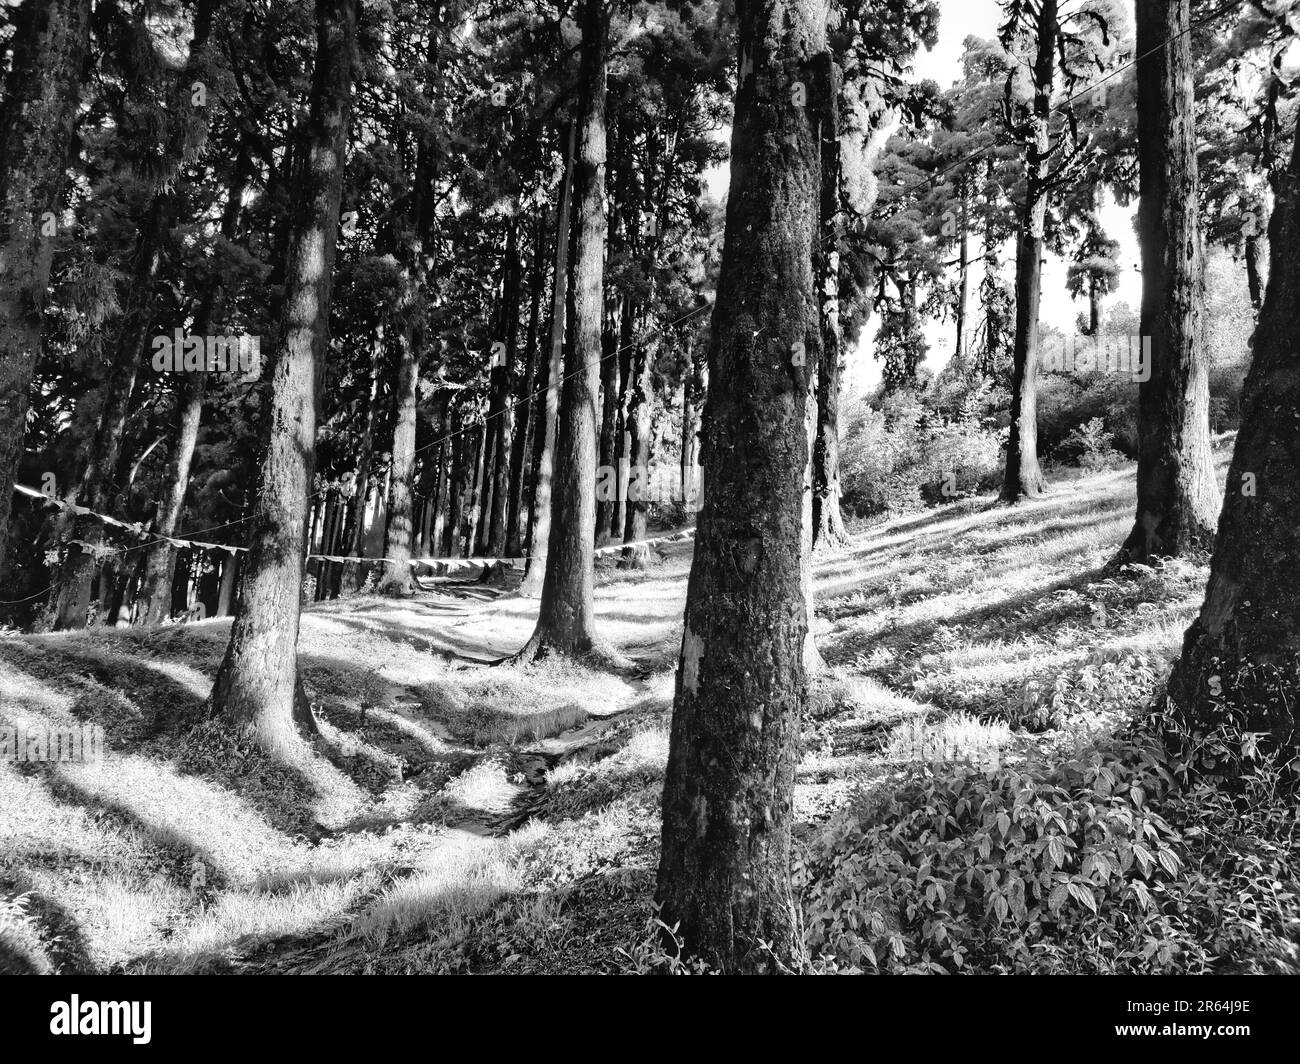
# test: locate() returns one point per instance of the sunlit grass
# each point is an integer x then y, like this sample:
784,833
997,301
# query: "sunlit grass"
949,633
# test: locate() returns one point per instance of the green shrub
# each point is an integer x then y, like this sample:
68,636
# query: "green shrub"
1090,446
1125,859
899,455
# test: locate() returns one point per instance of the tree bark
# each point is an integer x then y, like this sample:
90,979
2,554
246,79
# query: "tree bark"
992,297
639,402
1024,476
475,512
355,532
37,117
623,460
724,872
257,690
442,508
693,393
566,616
1177,497
501,413
963,266
461,476
1254,274
229,571
521,447
827,522
1240,663
640,407
609,394
539,532
401,499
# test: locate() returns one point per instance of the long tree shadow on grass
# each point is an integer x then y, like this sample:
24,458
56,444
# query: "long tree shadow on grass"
847,649
146,712
468,650
61,949
134,699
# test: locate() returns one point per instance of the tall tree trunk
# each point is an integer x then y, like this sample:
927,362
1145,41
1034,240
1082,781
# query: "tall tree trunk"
1241,656
992,296
1254,271
416,256
226,597
827,522
623,462
462,449
693,393
401,499
1024,476
521,447
724,872
442,510
566,617
640,399
257,688
475,512
355,536
607,503
539,531
501,414
640,408
963,265
37,116
1177,497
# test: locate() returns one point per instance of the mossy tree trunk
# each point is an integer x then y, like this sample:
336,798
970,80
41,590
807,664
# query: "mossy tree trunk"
724,872
566,616
539,526
1241,656
1024,476
1177,497
827,522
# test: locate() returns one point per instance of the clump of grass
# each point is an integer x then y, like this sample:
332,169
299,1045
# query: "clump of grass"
460,883
442,700
956,738
239,919
364,687
484,725
484,787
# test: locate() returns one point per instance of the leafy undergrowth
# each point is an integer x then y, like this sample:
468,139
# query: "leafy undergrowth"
1125,859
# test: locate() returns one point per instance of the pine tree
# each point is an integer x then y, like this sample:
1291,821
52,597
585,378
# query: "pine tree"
257,688
724,873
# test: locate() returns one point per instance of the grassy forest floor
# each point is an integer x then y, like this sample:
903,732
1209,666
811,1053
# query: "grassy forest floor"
457,817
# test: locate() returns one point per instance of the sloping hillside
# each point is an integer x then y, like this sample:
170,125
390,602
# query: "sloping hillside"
456,815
